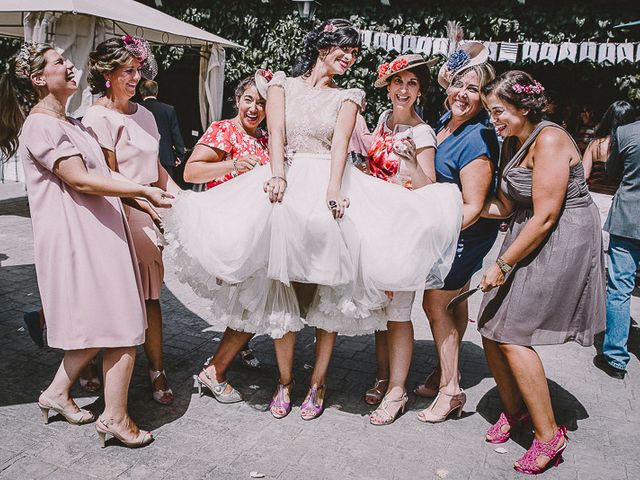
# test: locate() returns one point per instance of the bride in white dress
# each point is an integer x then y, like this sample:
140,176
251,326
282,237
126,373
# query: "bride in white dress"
340,237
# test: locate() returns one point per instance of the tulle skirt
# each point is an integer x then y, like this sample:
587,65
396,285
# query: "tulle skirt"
234,247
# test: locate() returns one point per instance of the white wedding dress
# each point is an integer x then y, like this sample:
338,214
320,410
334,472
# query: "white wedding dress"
234,247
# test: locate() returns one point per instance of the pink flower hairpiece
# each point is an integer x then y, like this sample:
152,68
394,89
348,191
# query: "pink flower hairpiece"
534,88
329,28
136,46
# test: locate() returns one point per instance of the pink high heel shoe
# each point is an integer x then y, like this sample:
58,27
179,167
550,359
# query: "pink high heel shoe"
495,433
313,406
527,464
278,407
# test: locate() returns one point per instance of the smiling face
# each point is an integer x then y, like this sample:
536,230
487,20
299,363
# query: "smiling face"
339,59
250,108
404,89
507,119
463,95
58,76
124,79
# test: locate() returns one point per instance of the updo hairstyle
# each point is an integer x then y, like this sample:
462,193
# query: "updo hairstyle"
521,90
336,32
107,57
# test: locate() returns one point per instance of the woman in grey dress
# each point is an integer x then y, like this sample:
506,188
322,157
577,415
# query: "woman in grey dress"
547,286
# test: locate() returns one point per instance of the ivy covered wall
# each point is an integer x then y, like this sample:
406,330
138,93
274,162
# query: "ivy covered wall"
273,33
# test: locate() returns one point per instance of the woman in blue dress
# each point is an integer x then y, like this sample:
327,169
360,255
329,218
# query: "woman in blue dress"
467,155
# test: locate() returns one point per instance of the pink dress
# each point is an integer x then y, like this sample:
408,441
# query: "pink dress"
135,141
85,263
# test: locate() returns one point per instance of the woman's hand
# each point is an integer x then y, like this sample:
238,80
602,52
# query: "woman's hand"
157,197
275,188
246,163
337,203
493,277
405,149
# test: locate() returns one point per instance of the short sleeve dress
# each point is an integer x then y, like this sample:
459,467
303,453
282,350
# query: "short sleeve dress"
469,141
85,262
135,141
384,165
228,137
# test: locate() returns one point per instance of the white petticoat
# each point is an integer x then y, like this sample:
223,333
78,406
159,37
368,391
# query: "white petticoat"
234,247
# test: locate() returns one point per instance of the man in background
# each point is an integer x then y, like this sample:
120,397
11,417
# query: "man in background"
623,225
171,143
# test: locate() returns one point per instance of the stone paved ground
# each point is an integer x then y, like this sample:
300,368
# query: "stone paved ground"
200,438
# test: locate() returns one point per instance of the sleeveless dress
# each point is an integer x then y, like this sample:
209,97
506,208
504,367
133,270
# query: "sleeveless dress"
236,248
557,293
85,261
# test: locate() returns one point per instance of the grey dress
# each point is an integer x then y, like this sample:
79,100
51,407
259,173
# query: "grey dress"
557,293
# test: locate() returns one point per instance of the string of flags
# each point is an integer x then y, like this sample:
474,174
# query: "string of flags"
603,53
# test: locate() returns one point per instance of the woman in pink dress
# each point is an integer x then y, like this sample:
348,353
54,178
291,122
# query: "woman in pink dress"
228,149
129,138
86,267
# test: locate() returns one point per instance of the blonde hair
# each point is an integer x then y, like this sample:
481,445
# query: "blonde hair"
18,94
485,72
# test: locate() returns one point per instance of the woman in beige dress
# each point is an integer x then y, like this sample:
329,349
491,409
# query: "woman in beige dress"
87,273
129,138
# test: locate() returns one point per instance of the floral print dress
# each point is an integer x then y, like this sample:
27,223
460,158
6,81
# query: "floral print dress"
227,136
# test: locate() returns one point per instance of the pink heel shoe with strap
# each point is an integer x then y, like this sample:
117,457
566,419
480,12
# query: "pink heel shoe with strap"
495,434
552,450
313,406
278,407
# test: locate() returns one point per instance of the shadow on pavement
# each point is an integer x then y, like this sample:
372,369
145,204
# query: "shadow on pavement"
566,407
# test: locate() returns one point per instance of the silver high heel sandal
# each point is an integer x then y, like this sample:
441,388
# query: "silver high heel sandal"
216,388
80,417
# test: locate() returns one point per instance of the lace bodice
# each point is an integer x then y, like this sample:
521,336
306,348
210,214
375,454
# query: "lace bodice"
311,113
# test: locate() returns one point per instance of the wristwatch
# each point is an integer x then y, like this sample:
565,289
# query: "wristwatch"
504,266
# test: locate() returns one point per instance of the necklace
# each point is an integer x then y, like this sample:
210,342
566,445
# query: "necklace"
62,116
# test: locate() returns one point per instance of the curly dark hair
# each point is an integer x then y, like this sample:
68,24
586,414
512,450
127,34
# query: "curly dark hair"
536,102
343,35
107,56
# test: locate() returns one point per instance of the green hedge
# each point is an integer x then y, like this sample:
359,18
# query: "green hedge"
273,33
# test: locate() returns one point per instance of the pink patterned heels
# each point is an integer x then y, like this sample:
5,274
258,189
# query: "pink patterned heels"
552,450
496,433
313,405
278,407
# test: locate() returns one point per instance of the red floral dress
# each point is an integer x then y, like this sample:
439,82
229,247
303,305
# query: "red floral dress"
227,136
382,163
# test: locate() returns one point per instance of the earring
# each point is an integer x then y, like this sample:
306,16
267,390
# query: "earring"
419,99
107,84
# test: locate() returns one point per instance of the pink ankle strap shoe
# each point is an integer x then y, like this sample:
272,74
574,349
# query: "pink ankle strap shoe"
495,433
552,450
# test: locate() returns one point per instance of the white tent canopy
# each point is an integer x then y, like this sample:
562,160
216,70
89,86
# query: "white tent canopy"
76,26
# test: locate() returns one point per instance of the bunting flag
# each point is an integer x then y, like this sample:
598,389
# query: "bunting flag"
607,53
530,51
508,52
602,53
624,52
549,52
568,51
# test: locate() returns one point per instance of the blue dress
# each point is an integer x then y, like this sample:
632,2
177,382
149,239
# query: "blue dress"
469,141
